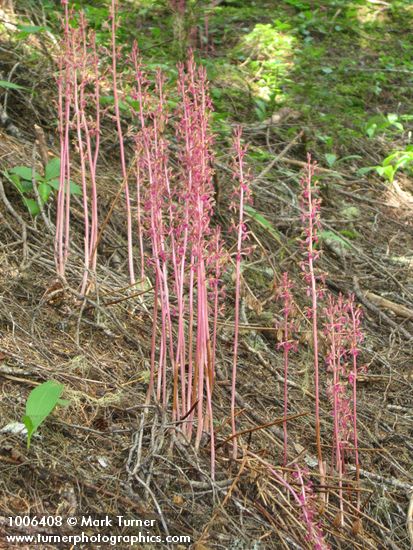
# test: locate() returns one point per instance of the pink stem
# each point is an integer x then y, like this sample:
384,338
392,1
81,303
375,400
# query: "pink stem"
121,143
237,285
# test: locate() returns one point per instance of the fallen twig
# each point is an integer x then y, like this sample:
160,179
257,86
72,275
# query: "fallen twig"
369,305
398,309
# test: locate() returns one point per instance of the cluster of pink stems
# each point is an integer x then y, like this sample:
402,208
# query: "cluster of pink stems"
288,344
305,499
342,328
79,96
180,249
310,216
173,197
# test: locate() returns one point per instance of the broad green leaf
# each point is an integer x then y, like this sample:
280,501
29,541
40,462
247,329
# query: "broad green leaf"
389,172
349,234
110,100
44,190
350,157
40,403
11,85
52,169
26,186
15,180
216,93
389,160
23,186
75,189
365,170
134,104
392,117
329,237
25,172
107,100
55,184
331,159
386,171
31,206
30,29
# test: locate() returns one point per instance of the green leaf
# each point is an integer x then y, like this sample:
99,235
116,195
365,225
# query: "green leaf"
11,85
329,237
15,180
25,172
40,403
75,189
365,170
216,93
259,218
31,206
26,186
44,190
349,234
23,186
30,429
156,32
30,29
350,157
55,184
393,157
52,169
331,159
392,118
386,171
110,100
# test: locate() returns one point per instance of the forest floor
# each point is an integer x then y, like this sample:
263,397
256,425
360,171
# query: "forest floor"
334,80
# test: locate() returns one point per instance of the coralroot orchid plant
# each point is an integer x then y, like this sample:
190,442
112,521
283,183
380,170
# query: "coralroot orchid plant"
79,94
184,254
343,334
288,344
310,216
308,503
335,331
356,337
243,193
187,254
115,54
305,499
